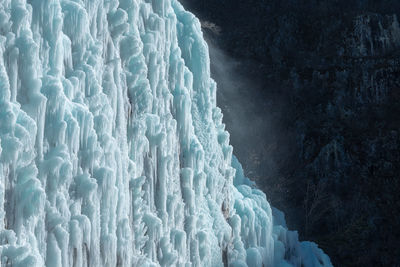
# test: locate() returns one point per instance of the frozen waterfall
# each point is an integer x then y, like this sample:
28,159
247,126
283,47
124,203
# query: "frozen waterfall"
113,152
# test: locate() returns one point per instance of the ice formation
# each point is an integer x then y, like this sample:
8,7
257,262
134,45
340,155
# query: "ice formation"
113,152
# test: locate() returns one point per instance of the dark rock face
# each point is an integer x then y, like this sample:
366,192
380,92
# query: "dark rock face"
328,80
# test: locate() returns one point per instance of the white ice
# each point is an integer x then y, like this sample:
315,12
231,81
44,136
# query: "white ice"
113,151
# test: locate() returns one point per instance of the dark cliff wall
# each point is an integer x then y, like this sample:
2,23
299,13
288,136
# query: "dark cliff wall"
326,95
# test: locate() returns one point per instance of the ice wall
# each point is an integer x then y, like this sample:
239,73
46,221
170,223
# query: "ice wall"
113,152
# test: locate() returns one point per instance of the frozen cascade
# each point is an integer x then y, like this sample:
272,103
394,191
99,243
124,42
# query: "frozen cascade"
113,152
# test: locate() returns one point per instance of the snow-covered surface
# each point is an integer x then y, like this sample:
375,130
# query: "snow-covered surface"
113,152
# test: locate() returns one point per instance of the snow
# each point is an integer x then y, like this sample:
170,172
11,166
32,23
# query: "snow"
113,151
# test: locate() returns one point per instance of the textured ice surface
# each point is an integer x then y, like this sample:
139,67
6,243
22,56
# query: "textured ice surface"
113,152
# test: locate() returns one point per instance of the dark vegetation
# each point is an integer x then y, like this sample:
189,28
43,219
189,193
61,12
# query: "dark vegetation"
329,73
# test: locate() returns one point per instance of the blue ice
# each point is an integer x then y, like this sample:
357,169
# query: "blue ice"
113,151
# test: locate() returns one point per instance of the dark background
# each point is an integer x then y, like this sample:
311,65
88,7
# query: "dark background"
310,92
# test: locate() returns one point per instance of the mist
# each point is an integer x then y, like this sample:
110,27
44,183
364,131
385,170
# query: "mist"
252,114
